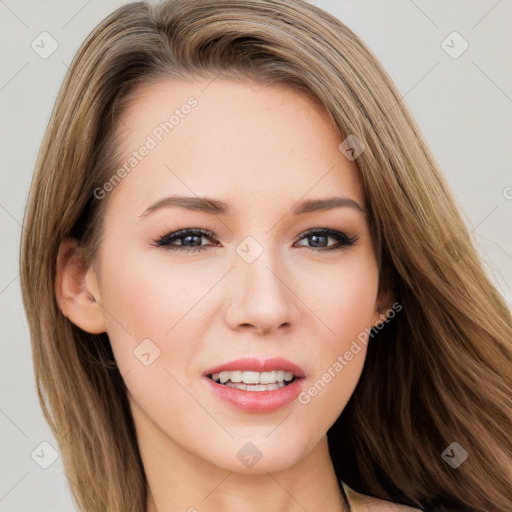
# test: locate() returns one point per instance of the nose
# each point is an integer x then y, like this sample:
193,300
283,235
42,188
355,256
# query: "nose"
261,296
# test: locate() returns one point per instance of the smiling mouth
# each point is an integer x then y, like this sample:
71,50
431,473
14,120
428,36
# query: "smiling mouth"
254,381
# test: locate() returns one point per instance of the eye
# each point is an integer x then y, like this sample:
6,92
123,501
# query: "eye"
321,235
191,239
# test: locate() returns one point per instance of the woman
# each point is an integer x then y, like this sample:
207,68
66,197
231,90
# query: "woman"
247,281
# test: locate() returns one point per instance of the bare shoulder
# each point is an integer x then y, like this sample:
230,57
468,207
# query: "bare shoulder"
363,503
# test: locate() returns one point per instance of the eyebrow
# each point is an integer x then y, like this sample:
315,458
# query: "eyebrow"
216,207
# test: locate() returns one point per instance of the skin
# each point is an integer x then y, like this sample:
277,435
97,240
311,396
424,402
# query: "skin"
261,150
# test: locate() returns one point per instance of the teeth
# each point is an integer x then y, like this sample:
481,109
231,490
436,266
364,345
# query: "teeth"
257,387
268,378
251,377
236,376
248,377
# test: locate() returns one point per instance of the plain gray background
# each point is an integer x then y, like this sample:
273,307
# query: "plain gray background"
463,106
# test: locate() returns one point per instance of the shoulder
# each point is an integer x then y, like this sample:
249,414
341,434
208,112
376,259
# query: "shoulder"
363,503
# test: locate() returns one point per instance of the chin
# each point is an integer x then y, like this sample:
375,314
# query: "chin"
260,454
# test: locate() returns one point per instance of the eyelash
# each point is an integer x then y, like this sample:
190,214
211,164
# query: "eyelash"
164,241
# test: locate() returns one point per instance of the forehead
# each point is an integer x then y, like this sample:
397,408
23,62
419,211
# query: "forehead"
233,140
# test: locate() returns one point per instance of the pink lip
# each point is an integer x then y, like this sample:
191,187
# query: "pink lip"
257,401
258,365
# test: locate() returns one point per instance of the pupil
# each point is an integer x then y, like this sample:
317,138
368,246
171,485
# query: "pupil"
197,237
315,238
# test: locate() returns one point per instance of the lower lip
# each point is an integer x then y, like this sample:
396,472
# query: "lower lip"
257,401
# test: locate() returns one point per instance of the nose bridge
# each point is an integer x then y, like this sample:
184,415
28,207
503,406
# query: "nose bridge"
261,294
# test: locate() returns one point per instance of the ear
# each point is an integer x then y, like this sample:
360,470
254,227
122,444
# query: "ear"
76,289
385,298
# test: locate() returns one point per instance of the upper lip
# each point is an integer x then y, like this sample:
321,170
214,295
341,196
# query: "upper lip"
258,365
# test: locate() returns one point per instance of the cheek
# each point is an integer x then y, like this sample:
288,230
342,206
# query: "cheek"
151,295
142,302
339,358
345,307
343,299
149,310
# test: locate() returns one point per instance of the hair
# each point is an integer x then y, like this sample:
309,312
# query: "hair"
439,372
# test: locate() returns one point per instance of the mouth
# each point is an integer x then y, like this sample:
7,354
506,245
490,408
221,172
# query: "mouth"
256,385
254,381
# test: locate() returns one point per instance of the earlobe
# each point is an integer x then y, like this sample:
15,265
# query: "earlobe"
76,289
384,302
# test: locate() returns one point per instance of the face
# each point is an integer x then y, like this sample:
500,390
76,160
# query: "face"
186,289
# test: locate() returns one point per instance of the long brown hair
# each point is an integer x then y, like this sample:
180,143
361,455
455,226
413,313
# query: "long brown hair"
438,373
